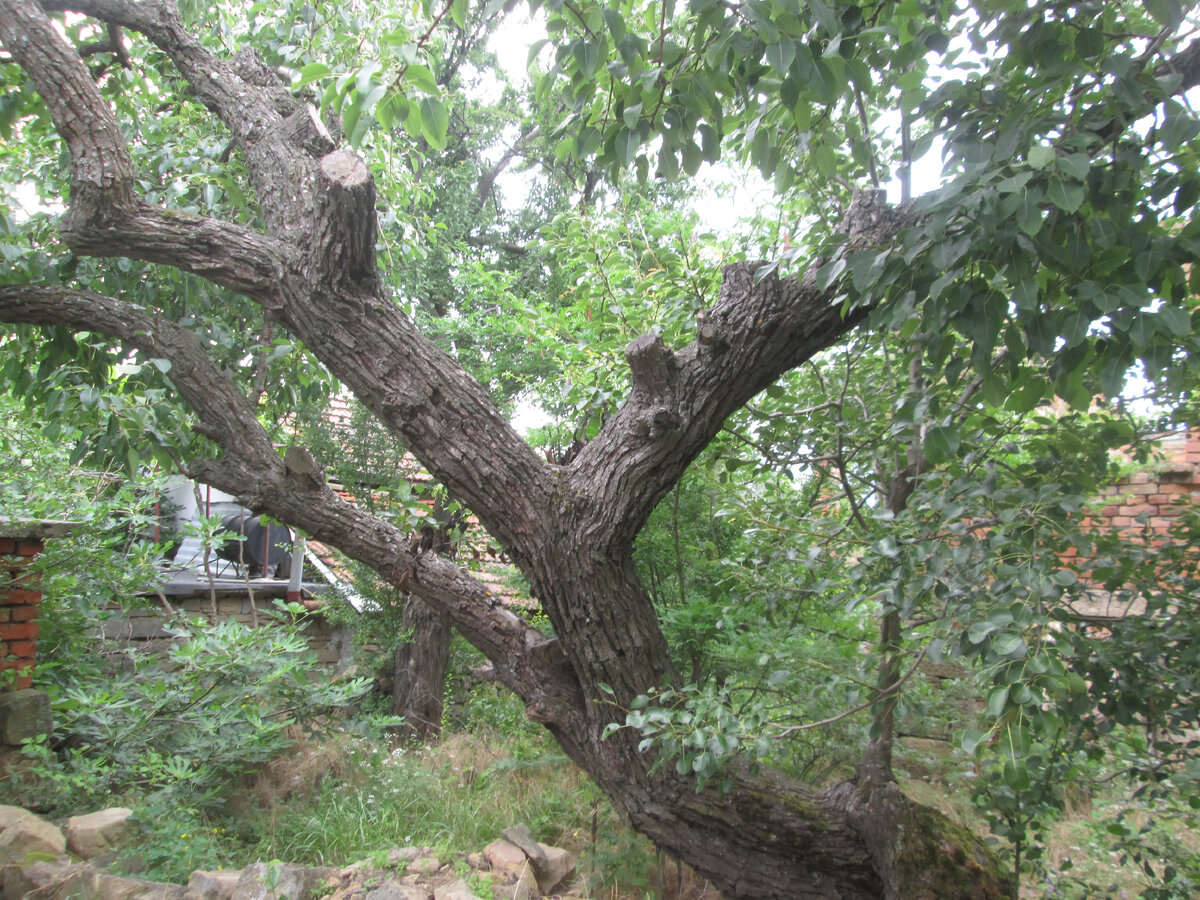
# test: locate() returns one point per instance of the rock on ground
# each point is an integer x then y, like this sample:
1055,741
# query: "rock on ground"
394,890
505,856
24,714
213,885
55,879
98,833
33,863
273,881
116,887
23,833
455,890
552,866
424,865
558,870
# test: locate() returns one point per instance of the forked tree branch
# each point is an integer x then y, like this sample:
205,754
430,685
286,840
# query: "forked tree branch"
316,270
105,217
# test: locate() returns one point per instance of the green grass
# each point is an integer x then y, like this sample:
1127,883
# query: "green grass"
458,795
336,803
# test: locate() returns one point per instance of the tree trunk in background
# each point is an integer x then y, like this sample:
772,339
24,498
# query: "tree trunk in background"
419,665
420,672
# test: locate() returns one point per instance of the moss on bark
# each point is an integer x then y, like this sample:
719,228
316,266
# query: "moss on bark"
936,858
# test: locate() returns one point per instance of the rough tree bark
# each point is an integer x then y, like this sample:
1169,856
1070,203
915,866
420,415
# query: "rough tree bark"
419,664
570,528
419,671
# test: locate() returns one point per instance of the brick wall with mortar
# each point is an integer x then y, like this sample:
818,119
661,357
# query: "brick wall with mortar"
1155,497
1145,505
20,594
1151,498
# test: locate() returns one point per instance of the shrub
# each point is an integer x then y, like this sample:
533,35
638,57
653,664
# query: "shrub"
220,702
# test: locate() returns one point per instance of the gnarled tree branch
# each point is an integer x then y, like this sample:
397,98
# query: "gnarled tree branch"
251,469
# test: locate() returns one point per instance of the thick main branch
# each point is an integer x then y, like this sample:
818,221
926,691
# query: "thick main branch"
315,270
251,468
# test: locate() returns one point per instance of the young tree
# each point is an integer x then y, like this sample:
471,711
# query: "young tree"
1061,236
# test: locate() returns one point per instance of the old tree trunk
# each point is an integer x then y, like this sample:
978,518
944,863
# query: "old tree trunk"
419,663
570,528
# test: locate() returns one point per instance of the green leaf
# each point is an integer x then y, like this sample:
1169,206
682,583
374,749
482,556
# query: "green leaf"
587,57
971,740
535,50
371,98
1142,330
1016,775
392,111
1028,396
616,25
829,273
826,84
1041,156
825,16
1009,643
458,12
997,701
351,111
780,56
668,165
365,77
937,650
785,177
1075,165
824,160
979,631
888,547
1177,320
435,120
1067,196
942,443
1029,213
627,144
310,73
631,114
422,78
1025,294
587,142
1166,12
1089,42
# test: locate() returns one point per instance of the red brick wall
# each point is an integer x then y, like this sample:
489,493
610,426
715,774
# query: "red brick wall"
1159,493
20,594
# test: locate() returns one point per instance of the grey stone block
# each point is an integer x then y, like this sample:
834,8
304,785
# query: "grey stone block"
24,714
